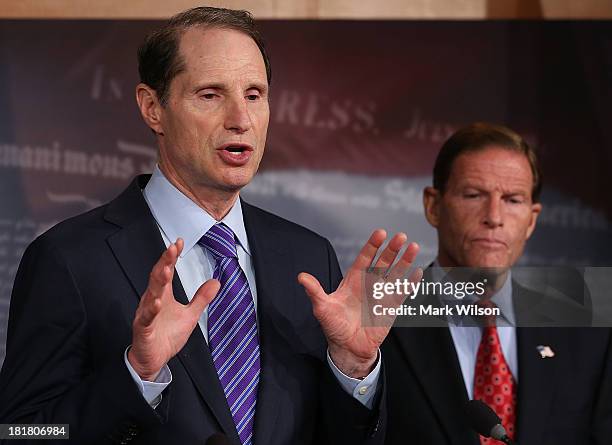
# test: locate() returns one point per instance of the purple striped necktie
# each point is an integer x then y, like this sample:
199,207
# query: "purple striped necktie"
232,331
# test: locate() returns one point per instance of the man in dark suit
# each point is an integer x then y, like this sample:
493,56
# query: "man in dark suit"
173,312
548,385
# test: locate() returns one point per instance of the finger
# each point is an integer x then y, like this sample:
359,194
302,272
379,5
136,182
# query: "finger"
313,289
389,253
158,276
163,271
150,302
405,262
368,251
174,252
416,275
203,296
148,309
179,248
397,299
170,257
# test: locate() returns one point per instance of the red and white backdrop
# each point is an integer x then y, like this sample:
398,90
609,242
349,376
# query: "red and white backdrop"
358,113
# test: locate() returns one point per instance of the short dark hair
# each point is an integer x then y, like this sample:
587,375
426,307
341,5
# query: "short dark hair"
479,136
159,60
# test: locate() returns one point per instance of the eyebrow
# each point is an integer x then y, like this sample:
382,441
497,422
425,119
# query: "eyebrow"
504,192
516,193
207,86
263,87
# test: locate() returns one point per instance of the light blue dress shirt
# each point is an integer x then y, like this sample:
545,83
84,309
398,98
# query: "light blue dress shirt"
467,338
177,216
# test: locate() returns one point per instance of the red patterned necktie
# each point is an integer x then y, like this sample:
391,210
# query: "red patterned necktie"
493,380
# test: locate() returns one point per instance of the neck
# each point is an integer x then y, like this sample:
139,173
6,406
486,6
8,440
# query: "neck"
217,203
495,280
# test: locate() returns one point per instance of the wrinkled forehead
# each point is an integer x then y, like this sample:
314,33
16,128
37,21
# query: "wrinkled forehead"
209,48
492,168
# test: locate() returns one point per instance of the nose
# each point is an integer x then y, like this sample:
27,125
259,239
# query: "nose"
237,116
493,213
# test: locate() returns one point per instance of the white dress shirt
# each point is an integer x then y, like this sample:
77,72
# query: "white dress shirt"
178,216
467,338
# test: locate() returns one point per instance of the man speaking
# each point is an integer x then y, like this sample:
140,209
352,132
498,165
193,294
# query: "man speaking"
548,385
174,313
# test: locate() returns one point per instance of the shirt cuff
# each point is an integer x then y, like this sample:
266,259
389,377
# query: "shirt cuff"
362,390
151,391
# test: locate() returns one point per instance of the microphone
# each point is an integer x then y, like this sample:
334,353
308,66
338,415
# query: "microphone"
218,439
485,422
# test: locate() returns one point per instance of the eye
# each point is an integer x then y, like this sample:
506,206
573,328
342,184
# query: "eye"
208,96
253,94
514,199
471,195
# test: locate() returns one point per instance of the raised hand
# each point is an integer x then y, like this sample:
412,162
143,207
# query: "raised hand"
162,325
353,347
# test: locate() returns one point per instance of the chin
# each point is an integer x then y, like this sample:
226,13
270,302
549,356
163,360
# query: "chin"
488,260
236,181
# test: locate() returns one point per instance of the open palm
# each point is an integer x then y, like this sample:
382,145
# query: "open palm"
353,344
162,325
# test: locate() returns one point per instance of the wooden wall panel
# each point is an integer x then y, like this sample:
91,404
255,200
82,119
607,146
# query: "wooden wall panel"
316,9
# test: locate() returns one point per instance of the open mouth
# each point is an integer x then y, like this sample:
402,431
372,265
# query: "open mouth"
235,149
235,154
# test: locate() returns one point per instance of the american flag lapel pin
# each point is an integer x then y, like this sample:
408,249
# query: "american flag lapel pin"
545,351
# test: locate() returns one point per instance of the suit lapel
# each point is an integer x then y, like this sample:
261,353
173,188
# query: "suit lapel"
537,375
137,247
433,358
271,260
195,357
431,354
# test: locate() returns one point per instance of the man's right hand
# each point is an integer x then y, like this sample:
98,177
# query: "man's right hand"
162,325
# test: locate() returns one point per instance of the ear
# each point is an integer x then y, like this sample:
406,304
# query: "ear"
150,107
431,204
536,208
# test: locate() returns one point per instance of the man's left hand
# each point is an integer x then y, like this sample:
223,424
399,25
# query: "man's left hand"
353,347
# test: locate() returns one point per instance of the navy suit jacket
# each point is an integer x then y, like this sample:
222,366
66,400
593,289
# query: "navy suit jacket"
563,400
73,302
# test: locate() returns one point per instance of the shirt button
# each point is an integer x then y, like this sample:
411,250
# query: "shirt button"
363,390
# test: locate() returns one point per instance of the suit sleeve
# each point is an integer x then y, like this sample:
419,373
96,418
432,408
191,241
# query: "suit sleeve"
345,419
49,374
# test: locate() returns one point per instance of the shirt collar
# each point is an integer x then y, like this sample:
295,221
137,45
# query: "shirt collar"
178,216
502,298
